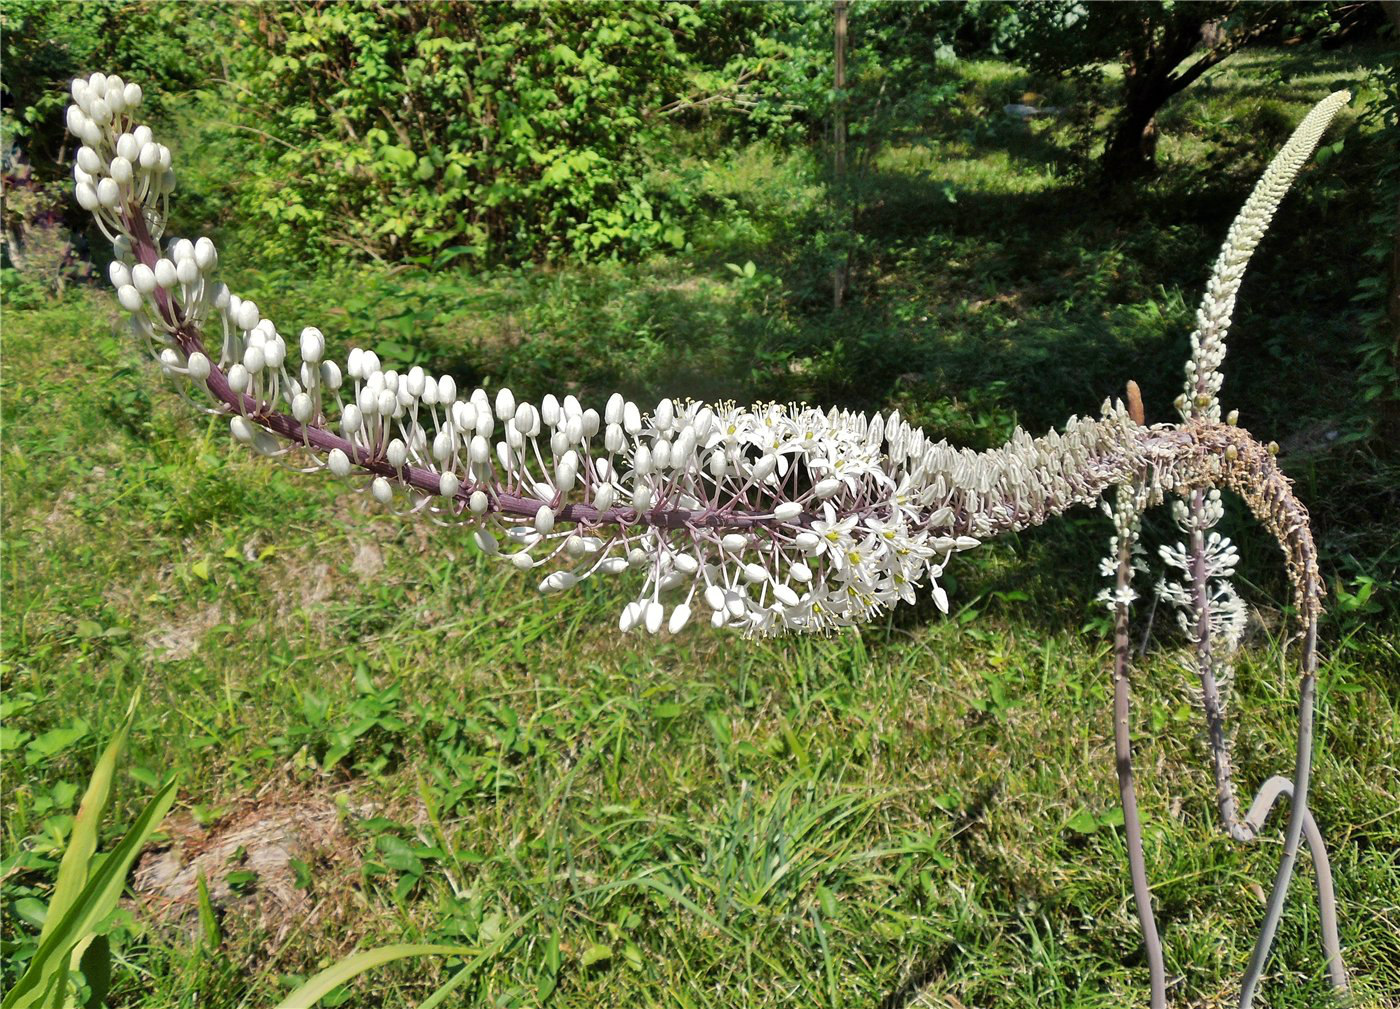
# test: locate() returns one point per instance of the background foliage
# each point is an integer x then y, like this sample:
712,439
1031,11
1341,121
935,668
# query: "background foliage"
596,196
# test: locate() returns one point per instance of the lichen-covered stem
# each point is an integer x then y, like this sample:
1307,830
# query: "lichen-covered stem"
1123,756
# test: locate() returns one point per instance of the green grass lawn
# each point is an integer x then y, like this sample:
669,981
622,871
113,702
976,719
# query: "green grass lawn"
382,737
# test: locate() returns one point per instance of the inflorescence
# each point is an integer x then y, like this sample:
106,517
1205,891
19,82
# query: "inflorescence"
773,517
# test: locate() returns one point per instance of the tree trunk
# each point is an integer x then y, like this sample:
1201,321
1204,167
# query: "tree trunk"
841,273
1131,152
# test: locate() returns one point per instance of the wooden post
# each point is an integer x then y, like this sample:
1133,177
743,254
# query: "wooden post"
838,279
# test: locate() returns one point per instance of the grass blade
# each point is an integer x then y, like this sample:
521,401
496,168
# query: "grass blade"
96,900
82,845
321,984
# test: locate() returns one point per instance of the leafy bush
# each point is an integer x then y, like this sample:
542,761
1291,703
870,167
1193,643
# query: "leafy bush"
494,132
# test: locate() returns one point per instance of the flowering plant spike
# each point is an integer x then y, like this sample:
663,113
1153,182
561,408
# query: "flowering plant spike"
769,518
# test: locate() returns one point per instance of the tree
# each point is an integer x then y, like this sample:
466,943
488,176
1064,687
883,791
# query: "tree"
1163,48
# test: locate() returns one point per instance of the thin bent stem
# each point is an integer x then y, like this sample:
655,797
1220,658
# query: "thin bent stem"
1122,747
1297,815
1269,793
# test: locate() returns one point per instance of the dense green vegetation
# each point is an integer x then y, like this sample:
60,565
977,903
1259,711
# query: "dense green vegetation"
920,813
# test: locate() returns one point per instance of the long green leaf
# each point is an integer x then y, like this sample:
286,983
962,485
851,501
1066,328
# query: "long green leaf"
323,983
93,904
82,844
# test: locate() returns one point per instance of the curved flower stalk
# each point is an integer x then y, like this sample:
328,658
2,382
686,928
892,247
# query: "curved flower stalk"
774,517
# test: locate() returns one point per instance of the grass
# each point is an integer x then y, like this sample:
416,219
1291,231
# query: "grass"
919,813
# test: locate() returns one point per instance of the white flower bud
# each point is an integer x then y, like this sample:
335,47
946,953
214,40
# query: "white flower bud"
118,273
92,134
485,540
87,196
198,367
129,298
549,410
544,521
128,148
826,488
522,561
714,598
76,121
109,194
755,573
383,493
603,497
187,272
143,278
163,157
734,542
100,112
387,402
89,162
787,511
338,462
478,502
396,453
238,378
785,595
655,612
242,429
480,450
169,360
612,413
149,155
97,84
253,359
800,572
447,390
764,468
115,99
181,249
641,499
132,94
631,616
505,405
719,464
631,418
79,89
351,419
448,484
330,375
807,542
248,317
442,444
642,461
205,255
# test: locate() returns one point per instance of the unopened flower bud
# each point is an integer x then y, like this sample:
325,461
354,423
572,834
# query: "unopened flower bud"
382,491
109,194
